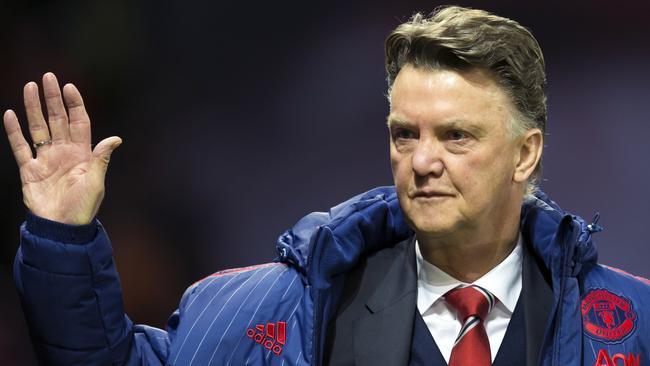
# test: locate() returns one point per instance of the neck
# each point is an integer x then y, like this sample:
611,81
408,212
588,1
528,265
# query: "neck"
469,255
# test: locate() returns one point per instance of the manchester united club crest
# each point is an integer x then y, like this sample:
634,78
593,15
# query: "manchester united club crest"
607,317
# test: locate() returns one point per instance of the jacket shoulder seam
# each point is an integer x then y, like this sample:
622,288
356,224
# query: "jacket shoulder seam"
627,274
237,270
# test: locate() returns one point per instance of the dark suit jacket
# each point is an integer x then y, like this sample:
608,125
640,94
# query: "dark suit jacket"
374,321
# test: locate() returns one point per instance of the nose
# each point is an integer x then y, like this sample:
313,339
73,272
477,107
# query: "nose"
427,159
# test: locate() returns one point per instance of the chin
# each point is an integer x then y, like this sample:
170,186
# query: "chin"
431,217
427,227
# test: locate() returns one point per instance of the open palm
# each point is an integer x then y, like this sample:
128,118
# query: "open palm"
65,182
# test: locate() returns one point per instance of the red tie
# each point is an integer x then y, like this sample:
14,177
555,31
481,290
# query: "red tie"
472,346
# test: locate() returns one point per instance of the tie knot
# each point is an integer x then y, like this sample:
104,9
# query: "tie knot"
471,301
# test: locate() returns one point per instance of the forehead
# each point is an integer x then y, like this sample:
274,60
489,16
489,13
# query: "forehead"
420,95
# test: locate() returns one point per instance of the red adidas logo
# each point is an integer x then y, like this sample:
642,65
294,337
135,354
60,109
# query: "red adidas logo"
272,338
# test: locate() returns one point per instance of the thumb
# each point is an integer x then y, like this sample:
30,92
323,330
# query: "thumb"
103,150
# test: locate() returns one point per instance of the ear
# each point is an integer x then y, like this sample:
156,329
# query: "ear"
530,152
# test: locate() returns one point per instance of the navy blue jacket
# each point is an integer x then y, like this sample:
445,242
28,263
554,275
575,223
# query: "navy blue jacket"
277,313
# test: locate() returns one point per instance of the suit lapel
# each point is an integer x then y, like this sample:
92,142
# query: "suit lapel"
383,336
537,299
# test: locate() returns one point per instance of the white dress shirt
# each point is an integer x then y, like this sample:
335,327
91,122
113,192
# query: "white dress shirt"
504,281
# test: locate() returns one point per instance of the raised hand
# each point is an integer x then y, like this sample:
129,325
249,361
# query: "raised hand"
65,182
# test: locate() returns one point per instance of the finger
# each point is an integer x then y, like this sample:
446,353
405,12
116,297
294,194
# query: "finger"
79,120
102,154
55,110
37,126
22,151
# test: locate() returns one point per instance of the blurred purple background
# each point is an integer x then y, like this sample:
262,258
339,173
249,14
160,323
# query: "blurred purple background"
239,117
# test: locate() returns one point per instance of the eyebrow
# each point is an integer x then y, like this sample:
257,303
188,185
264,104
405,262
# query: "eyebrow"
393,122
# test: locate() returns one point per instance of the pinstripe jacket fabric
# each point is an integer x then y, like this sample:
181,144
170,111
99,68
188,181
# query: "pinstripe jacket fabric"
277,313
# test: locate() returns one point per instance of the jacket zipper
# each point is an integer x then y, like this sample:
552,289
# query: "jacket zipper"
556,342
317,309
316,337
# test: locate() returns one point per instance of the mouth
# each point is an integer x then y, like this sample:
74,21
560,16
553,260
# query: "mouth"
430,195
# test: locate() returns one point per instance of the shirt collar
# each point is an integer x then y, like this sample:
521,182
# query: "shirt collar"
503,281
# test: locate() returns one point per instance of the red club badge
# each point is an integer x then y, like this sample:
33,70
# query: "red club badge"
607,317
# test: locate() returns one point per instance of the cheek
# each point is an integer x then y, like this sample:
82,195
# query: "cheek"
464,169
399,165
472,175
393,165
480,175
402,175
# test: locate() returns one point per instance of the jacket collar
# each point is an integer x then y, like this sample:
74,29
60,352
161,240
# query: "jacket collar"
323,245
556,234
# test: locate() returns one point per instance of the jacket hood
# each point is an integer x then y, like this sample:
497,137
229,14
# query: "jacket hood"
324,244
557,236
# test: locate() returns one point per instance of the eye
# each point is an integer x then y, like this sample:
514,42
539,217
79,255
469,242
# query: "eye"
457,135
403,134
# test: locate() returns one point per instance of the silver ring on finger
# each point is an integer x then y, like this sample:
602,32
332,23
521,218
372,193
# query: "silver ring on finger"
42,143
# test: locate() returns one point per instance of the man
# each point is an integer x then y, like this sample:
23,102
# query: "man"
462,263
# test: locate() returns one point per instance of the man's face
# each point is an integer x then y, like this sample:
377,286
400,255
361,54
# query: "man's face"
451,154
